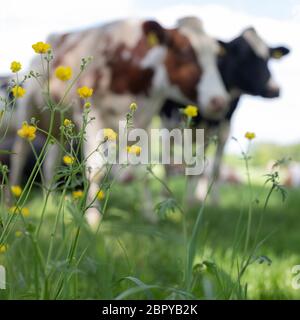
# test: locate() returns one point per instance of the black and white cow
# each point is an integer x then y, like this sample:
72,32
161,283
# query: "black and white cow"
243,64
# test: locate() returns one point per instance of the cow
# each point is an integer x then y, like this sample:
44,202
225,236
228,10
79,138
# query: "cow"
127,68
243,64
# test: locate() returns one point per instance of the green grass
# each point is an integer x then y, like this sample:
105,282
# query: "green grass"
128,246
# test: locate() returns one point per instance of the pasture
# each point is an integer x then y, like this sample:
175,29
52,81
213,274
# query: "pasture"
131,258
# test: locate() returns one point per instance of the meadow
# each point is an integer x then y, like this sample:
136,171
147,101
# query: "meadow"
131,258
244,248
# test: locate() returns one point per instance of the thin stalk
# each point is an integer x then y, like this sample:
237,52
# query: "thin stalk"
249,222
192,242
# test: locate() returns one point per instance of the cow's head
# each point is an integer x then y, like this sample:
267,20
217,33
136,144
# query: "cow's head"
189,64
243,64
212,95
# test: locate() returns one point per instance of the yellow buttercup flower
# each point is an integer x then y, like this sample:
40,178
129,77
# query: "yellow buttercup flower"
77,194
190,111
68,160
41,47
25,212
109,134
67,122
100,195
18,233
3,248
85,92
16,190
18,91
250,135
15,66
134,149
63,73
133,106
27,132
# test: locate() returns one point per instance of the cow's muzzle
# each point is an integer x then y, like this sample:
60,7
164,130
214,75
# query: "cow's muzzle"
272,90
271,93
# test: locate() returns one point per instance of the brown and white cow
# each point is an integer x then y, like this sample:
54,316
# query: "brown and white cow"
125,68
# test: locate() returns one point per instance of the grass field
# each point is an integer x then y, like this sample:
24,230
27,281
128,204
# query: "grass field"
129,252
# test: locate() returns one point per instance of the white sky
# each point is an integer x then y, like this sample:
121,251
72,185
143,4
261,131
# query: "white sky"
23,23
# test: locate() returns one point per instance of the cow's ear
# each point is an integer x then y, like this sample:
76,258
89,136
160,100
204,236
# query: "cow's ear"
154,32
278,52
223,48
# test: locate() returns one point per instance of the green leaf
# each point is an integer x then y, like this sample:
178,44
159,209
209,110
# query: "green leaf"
165,207
264,259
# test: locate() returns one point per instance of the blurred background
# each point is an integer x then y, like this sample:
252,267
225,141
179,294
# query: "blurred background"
274,121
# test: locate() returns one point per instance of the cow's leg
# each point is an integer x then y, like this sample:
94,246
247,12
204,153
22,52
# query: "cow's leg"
203,183
51,162
202,187
20,151
94,168
148,207
21,147
223,133
170,122
199,184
